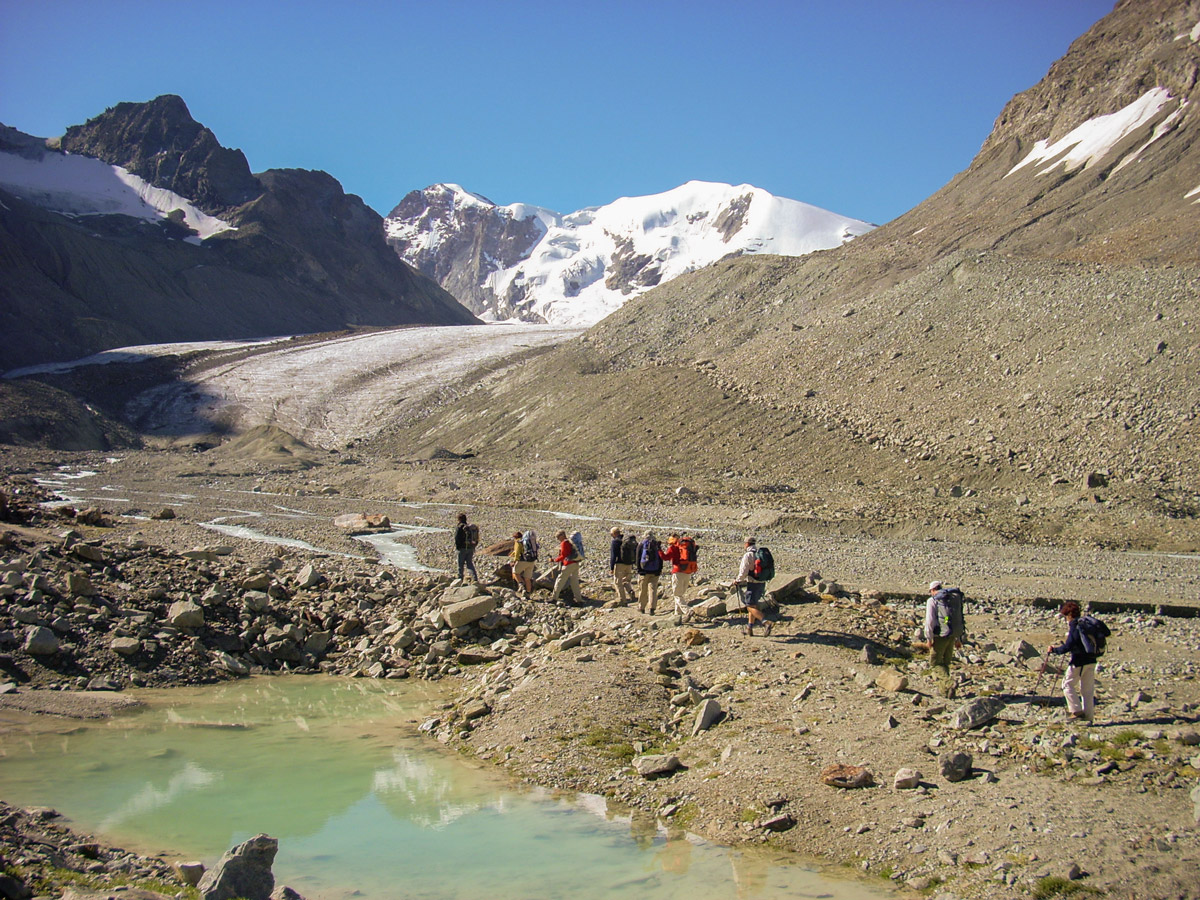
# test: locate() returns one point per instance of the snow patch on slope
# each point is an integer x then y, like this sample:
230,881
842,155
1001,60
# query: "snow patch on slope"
81,186
1091,141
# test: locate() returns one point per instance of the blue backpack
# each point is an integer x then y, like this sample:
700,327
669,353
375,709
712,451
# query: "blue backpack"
649,562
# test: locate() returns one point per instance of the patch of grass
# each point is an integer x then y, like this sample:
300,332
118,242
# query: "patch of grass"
1057,886
685,816
57,878
1126,737
615,743
750,814
1162,747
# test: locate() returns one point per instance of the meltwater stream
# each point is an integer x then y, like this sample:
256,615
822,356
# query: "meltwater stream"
363,806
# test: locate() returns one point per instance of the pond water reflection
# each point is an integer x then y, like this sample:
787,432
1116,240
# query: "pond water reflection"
361,803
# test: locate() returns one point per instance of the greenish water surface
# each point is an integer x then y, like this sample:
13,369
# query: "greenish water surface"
362,805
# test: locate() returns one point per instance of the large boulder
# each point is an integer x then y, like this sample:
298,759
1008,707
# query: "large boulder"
706,716
785,588
977,712
464,612
656,764
955,765
41,641
243,872
186,614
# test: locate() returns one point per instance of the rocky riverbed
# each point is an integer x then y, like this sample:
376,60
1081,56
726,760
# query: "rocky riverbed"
988,794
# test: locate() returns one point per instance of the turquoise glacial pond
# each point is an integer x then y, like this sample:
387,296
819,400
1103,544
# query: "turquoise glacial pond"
363,806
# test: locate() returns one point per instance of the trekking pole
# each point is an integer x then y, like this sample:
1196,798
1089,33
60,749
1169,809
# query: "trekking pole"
1041,672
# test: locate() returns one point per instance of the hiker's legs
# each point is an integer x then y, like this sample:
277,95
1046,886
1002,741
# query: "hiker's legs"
1079,689
622,581
463,561
573,581
680,581
1072,689
754,594
523,575
559,583
1087,687
648,591
941,654
469,559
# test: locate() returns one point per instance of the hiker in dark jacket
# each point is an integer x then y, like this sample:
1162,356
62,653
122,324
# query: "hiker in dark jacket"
465,538
1079,681
649,567
622,572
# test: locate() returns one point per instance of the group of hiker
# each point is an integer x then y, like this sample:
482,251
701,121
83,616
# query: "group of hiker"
944,626
629,555
1085,642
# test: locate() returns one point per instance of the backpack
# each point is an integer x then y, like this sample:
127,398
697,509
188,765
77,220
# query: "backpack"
529,546
649,562
948,613
1093,634
764,565
629,550
472,535
577,553
687,555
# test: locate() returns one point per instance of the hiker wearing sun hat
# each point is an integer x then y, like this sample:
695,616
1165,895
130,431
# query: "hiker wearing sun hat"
944,627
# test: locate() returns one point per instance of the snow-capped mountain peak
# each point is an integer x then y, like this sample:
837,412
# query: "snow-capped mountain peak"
526,262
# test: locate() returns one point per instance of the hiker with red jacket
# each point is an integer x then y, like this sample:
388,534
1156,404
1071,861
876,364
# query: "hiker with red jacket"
681,554
568,574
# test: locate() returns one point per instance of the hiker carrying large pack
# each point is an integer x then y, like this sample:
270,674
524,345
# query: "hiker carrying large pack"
944,627
649,568
466,538
621,557
1086,641
570,553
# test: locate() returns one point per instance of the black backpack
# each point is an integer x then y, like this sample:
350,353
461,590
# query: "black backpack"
764,565
629,551
948,606
1094,635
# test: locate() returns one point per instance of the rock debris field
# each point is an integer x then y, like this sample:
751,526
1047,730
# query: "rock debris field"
986,794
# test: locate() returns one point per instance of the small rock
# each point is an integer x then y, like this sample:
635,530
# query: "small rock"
955,766
906,779
891,680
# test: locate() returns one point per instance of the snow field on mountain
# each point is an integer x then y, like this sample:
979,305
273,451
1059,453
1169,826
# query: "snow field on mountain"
590,262
1092,141
82,186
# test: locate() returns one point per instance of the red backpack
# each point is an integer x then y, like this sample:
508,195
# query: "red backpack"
687,554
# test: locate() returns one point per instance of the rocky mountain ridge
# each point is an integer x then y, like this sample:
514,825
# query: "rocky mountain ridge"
529,263
296,254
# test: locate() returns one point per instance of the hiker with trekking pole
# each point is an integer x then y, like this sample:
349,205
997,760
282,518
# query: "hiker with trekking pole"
1086,637
756,569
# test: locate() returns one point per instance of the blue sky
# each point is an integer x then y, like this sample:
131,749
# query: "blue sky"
864,108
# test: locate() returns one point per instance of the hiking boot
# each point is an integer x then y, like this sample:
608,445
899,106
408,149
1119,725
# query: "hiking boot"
749,631
767,629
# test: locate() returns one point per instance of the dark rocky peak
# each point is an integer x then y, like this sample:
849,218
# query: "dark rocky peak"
312,199
160,142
